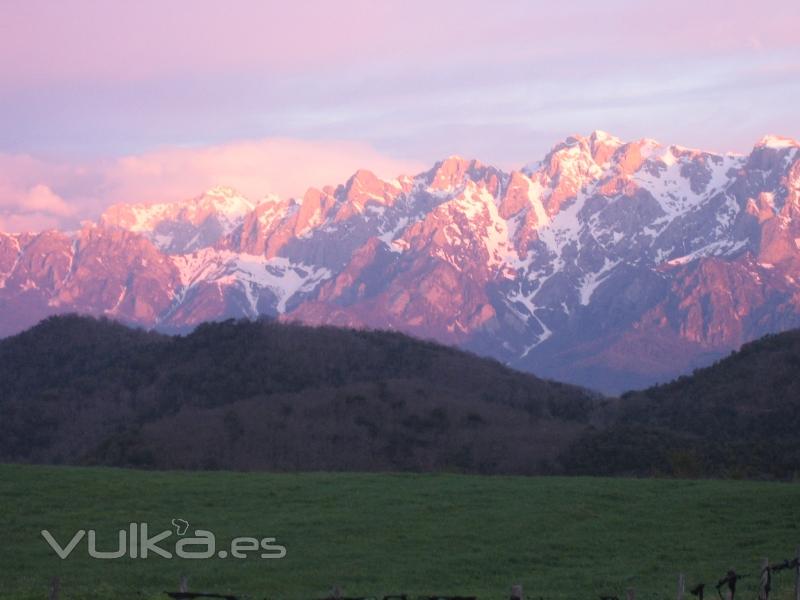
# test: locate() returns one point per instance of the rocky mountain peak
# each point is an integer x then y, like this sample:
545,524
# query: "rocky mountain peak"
777,142
607,263
452,172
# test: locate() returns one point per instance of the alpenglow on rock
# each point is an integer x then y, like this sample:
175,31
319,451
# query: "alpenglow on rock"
609,264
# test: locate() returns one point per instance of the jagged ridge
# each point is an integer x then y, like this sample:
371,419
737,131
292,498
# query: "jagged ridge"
607,263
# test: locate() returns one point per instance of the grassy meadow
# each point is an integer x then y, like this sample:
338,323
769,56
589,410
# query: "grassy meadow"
375,534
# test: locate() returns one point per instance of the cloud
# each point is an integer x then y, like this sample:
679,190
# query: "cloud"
26,202
37,193
40,198
18,223
281,166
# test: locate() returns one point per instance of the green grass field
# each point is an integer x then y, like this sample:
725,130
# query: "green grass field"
376,534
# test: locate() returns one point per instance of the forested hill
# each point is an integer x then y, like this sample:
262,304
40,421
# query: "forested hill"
264,395
740,417
267,395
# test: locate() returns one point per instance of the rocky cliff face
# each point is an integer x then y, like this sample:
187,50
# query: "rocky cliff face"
608,264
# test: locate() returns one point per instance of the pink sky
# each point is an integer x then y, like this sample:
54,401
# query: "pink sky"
109,101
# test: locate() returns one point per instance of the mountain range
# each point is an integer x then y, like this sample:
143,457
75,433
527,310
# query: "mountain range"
609,264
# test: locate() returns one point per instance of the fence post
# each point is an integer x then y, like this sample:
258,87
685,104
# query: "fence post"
183,586
681,586
764,582
516,592
797,575
630,594
55,588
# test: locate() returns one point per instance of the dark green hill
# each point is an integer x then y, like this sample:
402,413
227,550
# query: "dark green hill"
267,395
274,396
739,417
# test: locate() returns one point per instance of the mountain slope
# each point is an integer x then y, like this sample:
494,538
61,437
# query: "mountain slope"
739,417
610,264
265,395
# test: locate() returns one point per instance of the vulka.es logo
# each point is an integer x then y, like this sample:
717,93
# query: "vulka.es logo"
137,542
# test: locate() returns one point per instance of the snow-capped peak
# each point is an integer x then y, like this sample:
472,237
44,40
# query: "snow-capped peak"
222,191
599,234
777,142
603,136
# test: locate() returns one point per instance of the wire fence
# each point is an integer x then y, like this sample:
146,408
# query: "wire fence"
724,588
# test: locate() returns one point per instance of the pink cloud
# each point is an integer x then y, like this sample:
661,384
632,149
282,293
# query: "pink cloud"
19,223
38,194
26,202
281,166
40,198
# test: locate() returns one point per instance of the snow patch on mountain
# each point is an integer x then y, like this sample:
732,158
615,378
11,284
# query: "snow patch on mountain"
592,280
252,273
184,222
777,142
